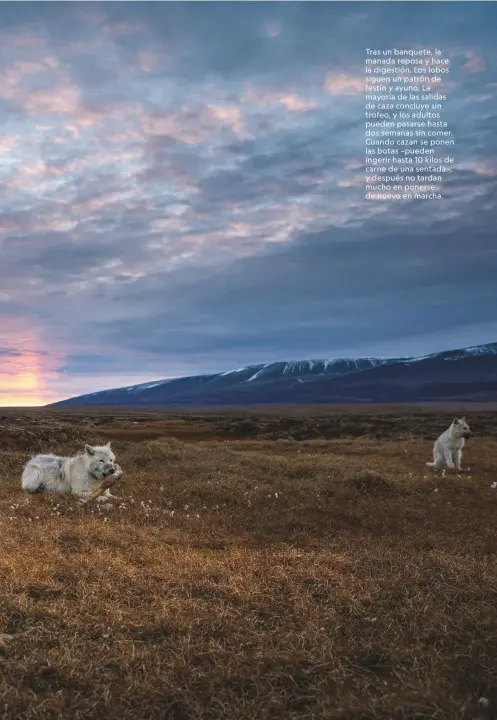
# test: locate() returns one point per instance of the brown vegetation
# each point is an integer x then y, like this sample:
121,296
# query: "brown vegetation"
250,577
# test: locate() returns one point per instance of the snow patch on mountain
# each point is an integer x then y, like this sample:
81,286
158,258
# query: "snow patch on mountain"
259,373
145,386
232,372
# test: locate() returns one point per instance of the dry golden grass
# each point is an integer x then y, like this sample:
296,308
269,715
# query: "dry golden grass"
249,579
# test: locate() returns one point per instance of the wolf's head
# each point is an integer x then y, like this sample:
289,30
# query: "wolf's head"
100,460
461,428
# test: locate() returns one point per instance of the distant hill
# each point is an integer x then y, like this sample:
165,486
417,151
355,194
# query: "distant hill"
465,375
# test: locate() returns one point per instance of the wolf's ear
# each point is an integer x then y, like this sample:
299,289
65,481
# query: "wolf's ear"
89,450
455,421
107,444
463,419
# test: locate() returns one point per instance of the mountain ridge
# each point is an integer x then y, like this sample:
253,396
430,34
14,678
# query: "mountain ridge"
462,374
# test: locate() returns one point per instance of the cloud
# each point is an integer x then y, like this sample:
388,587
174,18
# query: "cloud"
232,116
290,100
474,62
343,84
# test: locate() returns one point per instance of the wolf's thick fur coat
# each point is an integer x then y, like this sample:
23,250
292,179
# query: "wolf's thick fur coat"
447,450
80,474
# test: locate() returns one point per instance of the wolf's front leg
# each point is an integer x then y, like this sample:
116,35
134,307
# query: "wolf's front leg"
457,459
448,459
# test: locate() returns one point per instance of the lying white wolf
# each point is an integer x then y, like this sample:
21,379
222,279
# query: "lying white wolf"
80,475
447,451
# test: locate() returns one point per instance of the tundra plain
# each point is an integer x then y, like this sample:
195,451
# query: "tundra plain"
260,563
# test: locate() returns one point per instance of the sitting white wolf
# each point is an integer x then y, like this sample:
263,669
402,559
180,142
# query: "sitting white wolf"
447,451
80,475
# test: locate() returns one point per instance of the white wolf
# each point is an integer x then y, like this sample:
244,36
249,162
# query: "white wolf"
80,475
447,450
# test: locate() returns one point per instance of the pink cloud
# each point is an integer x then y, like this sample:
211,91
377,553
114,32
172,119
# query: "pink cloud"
240,229
170,124
122,28
478,98
7,143
355,165
63,100
61,97
14,74
85,48
351,183
292,101
272,28
21,41
52,223
27,177
194,125
148,61
343,84
108,199
474,62
33,67
447,85
490,171
231,115
10,84
296,103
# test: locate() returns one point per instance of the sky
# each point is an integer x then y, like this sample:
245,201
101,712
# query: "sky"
181,191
